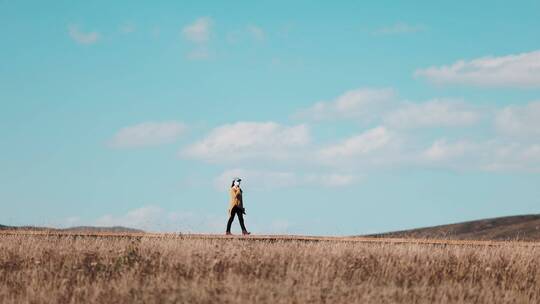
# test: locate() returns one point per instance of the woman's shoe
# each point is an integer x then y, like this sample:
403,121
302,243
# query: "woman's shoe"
246,233
228,233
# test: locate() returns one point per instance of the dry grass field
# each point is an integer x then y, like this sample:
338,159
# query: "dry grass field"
139,268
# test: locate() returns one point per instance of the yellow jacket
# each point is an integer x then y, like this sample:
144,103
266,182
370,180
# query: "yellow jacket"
236,198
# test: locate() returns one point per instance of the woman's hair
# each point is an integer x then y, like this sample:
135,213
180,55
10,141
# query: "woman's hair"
236,179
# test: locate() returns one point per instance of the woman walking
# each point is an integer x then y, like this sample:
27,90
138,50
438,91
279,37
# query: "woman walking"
236,206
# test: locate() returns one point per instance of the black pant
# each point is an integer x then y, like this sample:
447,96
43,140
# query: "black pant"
236,210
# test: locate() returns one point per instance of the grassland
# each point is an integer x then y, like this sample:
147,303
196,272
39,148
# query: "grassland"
142,268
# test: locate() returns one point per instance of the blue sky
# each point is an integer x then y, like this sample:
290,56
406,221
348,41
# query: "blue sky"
342,119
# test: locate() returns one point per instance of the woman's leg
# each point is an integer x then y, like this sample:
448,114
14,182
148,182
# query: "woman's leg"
231,219
241,220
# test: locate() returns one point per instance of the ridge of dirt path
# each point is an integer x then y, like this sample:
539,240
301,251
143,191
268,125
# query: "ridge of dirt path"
269,238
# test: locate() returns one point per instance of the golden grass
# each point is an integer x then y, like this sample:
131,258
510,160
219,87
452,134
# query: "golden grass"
54,268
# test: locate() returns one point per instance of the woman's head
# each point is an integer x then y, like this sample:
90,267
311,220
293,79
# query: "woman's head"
236,182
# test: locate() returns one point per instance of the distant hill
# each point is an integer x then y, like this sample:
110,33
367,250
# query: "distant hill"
115,229
4,227
519,227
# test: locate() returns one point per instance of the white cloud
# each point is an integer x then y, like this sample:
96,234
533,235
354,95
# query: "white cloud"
362,144
83,37
199,33
490,155
147,134
399,28
261,179
363,103
441,150
532,153
199,30
256,32
434,113
521,70
249,140
380,105
141,218
376,149
513,157
520,121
